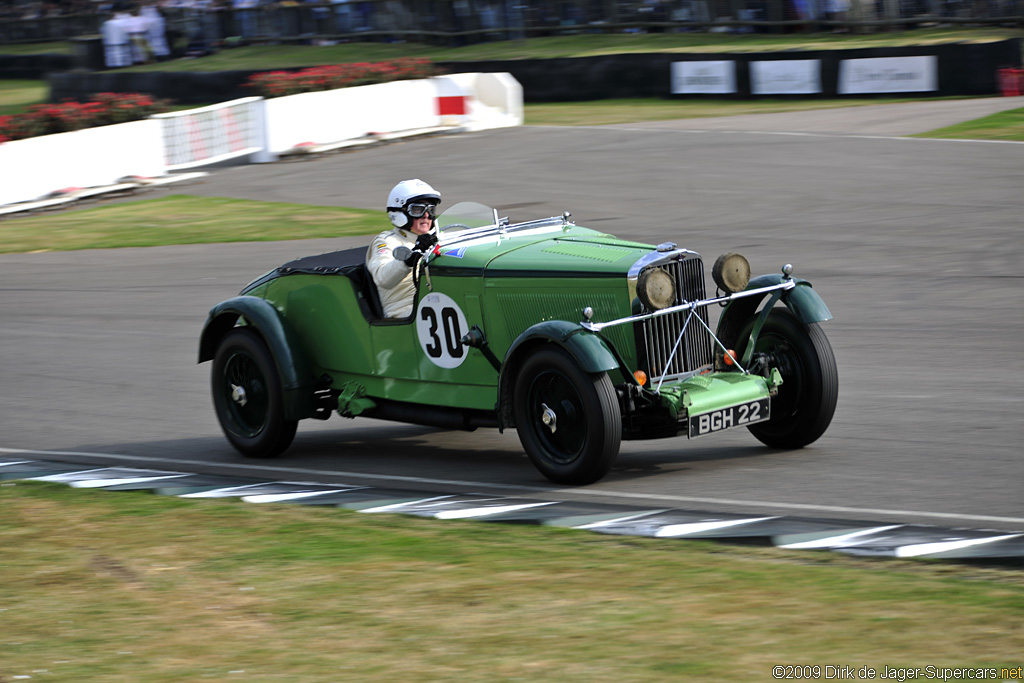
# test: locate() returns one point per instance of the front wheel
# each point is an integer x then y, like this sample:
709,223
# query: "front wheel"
803,408
248,398
568,420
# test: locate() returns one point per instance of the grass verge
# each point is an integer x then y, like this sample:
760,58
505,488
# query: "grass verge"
1007,125
113,587
182,219
601,112
17,96
278,56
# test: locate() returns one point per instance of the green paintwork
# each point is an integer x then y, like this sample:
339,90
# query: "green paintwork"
352,401
261,315
292,367
807,305
521,290
706,393
590,351
802,299
326,327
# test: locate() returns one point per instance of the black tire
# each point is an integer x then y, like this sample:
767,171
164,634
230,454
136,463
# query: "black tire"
248,398
806,402
587,422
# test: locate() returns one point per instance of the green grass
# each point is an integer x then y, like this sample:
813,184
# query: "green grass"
182,219
1007,125
17,96
60,47
601,112
112,587
278,56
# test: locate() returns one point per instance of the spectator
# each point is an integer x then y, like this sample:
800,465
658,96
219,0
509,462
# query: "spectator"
342,16
117,48
156,32
137,26
246,14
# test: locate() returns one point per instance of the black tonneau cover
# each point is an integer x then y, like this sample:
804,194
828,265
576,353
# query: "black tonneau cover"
331,263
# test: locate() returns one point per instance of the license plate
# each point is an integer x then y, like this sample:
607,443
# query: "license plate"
734,416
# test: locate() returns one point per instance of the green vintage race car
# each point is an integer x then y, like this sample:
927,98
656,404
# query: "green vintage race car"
574,338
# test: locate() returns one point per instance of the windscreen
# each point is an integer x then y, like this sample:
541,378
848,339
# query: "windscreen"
464,216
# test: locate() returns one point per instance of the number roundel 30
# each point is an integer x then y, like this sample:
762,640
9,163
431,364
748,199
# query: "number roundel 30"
440,326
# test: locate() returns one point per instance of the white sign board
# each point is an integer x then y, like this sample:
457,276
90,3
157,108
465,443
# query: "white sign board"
704,78
888,74
786,77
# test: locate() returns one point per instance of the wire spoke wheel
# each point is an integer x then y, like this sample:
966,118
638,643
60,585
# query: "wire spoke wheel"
247,396
568,420
806,402
247,388
559,414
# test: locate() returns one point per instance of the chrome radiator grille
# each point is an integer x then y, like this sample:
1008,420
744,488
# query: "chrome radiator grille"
657,337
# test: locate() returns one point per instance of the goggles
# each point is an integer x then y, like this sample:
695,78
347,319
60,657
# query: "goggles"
418,210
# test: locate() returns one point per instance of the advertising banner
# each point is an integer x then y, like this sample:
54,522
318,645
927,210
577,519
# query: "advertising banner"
786,77
888,74
704,78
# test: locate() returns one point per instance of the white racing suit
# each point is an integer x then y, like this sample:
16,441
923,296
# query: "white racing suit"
392,277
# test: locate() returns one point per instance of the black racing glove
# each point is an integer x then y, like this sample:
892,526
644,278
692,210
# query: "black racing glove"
425,242
413,258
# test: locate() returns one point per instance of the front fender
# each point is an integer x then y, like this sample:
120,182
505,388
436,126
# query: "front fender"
261,316
802,300
591,351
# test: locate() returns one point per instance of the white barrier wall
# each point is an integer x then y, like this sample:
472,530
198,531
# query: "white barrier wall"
349,113
320,118
35,167
213,134
255,128
495,100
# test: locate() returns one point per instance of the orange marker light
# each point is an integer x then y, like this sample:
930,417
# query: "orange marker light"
730,357
641,377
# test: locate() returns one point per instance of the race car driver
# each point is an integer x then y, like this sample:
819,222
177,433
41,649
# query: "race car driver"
412,208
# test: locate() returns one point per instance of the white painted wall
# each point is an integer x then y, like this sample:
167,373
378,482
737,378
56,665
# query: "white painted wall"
349,113
33,168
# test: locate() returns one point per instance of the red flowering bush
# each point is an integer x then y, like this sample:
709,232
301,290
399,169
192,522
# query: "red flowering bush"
280,83
102,110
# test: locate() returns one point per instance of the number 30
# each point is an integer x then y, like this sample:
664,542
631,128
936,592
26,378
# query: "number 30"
450,327
440,326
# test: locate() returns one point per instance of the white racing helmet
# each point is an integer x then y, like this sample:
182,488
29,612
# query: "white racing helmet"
409,192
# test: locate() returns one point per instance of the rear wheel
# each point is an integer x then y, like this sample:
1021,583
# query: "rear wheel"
806,402
568,419
248,398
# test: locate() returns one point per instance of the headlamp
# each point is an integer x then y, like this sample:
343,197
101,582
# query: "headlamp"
731,273
656,288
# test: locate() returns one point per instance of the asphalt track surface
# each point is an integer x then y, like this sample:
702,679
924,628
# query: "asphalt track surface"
914,244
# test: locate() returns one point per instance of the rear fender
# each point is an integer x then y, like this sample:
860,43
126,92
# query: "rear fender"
591,351
802,300
297,381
